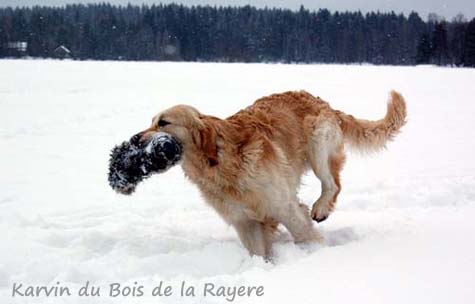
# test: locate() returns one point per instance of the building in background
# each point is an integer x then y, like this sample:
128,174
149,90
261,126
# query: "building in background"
16,48
62,52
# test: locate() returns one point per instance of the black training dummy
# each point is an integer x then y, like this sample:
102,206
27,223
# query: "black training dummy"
130,163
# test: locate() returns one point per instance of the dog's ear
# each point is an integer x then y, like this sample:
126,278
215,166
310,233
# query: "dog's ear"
205,139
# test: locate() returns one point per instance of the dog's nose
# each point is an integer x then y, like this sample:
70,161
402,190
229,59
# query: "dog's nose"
135,140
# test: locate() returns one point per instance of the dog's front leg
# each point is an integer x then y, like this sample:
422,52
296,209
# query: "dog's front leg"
253,236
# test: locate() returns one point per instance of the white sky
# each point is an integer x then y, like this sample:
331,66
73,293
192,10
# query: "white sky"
446,8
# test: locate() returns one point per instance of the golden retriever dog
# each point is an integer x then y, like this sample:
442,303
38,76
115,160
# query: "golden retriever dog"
249,165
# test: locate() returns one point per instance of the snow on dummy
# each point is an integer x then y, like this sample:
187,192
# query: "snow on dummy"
131,162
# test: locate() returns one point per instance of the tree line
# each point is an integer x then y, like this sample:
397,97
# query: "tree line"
235,34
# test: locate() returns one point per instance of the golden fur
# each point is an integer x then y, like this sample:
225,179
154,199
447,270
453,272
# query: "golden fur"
248,166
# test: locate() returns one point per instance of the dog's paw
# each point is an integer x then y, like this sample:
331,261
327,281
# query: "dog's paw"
320,212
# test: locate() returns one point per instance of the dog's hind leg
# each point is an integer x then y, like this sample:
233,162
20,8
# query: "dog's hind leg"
295,217
326,158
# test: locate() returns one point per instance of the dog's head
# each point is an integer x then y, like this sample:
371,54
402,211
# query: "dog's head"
193,129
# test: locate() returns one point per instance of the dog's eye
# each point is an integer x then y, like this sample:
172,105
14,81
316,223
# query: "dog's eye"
162,123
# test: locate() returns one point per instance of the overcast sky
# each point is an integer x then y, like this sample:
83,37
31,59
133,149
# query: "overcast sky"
446,8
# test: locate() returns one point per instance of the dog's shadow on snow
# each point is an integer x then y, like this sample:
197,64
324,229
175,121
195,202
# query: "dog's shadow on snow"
286,251
340,236
332,238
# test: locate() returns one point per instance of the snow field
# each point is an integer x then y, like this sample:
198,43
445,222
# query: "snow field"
402,231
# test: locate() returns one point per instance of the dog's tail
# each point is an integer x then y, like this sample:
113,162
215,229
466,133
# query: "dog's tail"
372,136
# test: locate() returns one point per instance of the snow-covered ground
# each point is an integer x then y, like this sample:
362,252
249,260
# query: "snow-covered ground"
403,231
